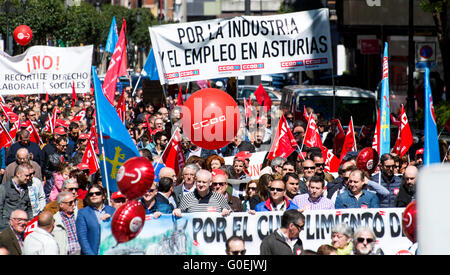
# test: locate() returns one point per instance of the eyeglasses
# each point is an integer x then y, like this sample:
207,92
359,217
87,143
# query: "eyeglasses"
72,189
345,178
272,189
238,252
298,133
20,219
119,200
389,166
361,240
29,175
252,188
309,168
70,202
95,193
219,183
319,164
300,227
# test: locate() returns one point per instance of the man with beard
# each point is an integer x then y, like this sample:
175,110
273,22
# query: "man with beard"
388,180
408,188
161,139
363,241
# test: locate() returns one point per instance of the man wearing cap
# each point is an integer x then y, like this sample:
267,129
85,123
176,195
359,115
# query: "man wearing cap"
418,161
118,199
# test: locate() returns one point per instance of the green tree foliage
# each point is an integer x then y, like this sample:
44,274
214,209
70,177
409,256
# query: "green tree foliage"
76,25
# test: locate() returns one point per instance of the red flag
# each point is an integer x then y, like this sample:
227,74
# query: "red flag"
31,226
284,143
339,135
312,136
121,107
406,138
93,137
5,138
74,95
55,114
116,65
349,142
14,128
34,135
376,135
12,117
247,109
90,158
262,97
173,156
180,98
80,115
49,124
332,163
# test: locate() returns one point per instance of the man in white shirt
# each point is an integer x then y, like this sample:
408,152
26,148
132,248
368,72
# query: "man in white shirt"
41,241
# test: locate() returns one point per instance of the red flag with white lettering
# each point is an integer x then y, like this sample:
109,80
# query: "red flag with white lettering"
34,135
349,142
5,138
173,156
312,136
376,135
339,135
90,158
116,65
406,138
332,162
284,143
10,115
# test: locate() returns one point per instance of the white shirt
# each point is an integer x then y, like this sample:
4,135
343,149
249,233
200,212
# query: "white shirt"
40,242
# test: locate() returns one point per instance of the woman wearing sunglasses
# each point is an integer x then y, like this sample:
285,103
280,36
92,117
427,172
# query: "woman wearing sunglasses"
89,220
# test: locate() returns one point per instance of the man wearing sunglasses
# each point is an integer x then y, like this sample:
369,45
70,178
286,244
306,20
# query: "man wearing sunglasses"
277,200
363,241
286,239
219,184
388,180
65,230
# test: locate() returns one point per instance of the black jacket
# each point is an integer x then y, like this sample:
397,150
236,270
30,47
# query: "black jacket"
404,197
274,244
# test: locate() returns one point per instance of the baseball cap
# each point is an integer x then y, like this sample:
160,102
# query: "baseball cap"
60,131
117,195
243,155
83,166
420,151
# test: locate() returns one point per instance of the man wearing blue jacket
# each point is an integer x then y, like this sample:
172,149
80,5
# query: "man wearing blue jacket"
277,200
356,196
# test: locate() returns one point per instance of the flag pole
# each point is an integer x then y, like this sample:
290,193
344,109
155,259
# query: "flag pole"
354,144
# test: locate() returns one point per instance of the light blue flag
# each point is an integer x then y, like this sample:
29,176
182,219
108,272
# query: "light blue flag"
114,140
431,145
113,36
385,122
150,70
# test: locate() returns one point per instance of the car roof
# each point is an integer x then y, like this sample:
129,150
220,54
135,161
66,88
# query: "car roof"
321,90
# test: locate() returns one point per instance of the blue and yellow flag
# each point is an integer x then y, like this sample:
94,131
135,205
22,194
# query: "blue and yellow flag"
113,37
385,121
115,141
431,145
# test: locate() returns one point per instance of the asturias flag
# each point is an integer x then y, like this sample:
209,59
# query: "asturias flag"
113,37
431,145
150,70
117,143
385,118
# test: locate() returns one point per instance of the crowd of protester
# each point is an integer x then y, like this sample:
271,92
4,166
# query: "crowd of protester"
49,182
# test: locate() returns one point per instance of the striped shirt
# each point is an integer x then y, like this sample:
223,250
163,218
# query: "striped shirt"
303,202
212,202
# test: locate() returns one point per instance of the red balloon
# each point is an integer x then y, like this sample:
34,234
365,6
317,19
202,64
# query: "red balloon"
210,118
128,221
23,35
409,221
135,177
367,160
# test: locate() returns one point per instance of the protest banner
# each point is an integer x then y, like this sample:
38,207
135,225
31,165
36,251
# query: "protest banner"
244,45
206,233
44,69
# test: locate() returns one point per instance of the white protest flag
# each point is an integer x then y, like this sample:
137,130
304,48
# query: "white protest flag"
44,69
243,45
